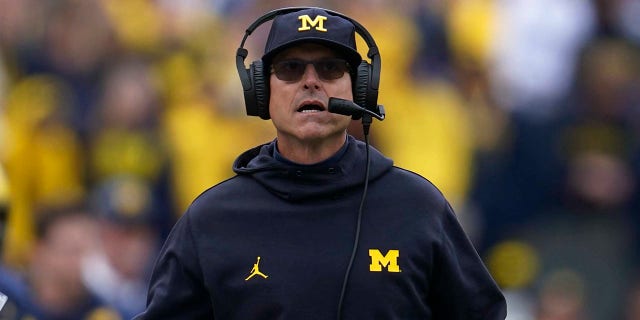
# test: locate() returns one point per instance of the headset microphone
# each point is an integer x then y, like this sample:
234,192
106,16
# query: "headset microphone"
350,108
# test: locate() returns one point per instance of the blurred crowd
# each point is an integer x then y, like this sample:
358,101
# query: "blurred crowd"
116,114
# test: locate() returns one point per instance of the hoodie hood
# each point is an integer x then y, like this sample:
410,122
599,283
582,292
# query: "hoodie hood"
299,182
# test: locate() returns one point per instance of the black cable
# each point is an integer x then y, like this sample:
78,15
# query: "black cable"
366,122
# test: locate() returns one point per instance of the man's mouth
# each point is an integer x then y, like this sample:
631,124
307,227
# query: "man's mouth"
311,107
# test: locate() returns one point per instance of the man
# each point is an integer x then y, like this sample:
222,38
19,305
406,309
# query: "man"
292,212
117,269
64,237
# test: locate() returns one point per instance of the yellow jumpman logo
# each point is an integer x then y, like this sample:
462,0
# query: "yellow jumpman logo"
256,271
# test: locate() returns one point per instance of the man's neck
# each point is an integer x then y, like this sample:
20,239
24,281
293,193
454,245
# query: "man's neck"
309,152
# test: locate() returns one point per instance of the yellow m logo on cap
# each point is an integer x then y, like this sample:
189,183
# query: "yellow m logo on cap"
307,23
389,260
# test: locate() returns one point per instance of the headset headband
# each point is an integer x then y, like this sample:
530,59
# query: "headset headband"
360,29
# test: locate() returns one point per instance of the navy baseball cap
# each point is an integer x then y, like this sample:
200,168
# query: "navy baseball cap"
312,25
124,200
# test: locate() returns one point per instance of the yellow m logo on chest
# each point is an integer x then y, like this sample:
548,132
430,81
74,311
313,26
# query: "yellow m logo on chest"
307,23
389,260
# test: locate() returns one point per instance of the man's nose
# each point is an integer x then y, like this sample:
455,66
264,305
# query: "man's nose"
310,77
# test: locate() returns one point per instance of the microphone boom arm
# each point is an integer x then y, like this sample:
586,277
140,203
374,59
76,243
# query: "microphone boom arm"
350,108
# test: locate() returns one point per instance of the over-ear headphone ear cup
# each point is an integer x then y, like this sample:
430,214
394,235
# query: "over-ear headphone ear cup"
261,89
361,86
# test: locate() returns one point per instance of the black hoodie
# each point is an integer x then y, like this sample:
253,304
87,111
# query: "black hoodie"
274,242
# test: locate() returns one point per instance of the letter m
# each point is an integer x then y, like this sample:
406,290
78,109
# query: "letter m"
389,260
307,23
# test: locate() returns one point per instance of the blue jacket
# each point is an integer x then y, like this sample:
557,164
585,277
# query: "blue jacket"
274,242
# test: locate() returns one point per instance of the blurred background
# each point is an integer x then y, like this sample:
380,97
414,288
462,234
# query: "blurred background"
115,114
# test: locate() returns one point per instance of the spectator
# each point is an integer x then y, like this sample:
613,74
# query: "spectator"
117,269
64,237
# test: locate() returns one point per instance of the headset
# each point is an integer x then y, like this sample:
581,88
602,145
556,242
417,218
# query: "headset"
255,83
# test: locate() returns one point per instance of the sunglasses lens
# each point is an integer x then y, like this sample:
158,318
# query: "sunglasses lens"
331,69
289,70
327,69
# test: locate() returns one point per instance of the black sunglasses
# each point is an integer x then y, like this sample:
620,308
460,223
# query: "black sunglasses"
327,69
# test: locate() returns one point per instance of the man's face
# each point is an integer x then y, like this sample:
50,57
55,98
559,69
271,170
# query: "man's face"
299,107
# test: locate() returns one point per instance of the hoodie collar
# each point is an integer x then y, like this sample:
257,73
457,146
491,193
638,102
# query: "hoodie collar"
332,160
344,170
